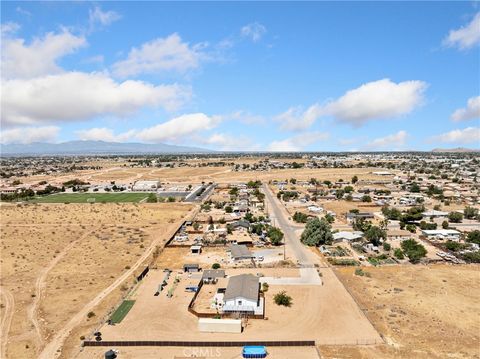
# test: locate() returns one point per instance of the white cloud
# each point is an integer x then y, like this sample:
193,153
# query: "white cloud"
472,111
389,142
228,142
294,119
104,18
297,143
104,134
9,28
162,54
25,135
23,11
20,60
467,135
377,100
466,36
179,127
76,96
254,31
380,99
245,117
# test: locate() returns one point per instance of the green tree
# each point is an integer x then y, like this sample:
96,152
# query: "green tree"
215,265
329,218
152,198
375,234
398,253
470,212
317,232
455,217
361,224
354,179
413,250
276,235
300,217
414,188
445,224
474,237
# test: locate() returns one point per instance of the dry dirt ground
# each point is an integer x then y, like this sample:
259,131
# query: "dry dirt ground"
116,171
422,311
321,313
55,258
210,353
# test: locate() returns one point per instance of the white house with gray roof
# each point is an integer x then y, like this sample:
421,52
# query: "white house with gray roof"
243,295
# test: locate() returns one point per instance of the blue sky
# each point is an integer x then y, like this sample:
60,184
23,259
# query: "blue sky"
315,76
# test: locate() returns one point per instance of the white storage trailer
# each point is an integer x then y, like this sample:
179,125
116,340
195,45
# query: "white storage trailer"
209,325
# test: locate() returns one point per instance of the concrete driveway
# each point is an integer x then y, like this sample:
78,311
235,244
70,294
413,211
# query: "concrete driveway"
308,276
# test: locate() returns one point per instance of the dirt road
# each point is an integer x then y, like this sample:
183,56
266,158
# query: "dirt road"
41,284
6,319
53,348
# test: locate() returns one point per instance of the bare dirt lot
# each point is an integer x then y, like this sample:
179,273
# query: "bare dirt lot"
57,257
115,171
423,312
220,353
320,313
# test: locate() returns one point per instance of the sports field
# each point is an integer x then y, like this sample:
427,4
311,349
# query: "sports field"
91,197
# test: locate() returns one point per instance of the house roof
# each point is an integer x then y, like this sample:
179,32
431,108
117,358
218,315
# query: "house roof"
213,273
348,235
434,213
243,285
241,223
441,232
193,265
398,232
240,251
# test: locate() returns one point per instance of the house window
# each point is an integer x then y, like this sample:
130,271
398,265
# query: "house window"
239,302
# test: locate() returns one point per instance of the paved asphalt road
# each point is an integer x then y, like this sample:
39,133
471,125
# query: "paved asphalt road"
279,219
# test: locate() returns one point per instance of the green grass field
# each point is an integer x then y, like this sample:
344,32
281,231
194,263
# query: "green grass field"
91,197
122,311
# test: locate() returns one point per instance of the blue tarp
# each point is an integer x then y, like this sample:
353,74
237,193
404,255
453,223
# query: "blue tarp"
254,351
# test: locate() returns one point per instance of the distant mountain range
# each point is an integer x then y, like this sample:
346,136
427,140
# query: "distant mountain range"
458,149
94,148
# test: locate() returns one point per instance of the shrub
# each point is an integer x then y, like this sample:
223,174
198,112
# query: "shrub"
360,272
470,212
474,237
282,298
90,314
152,198
455,217
398,253
265,287
472,257
300,217
215,265
387,246
413,250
